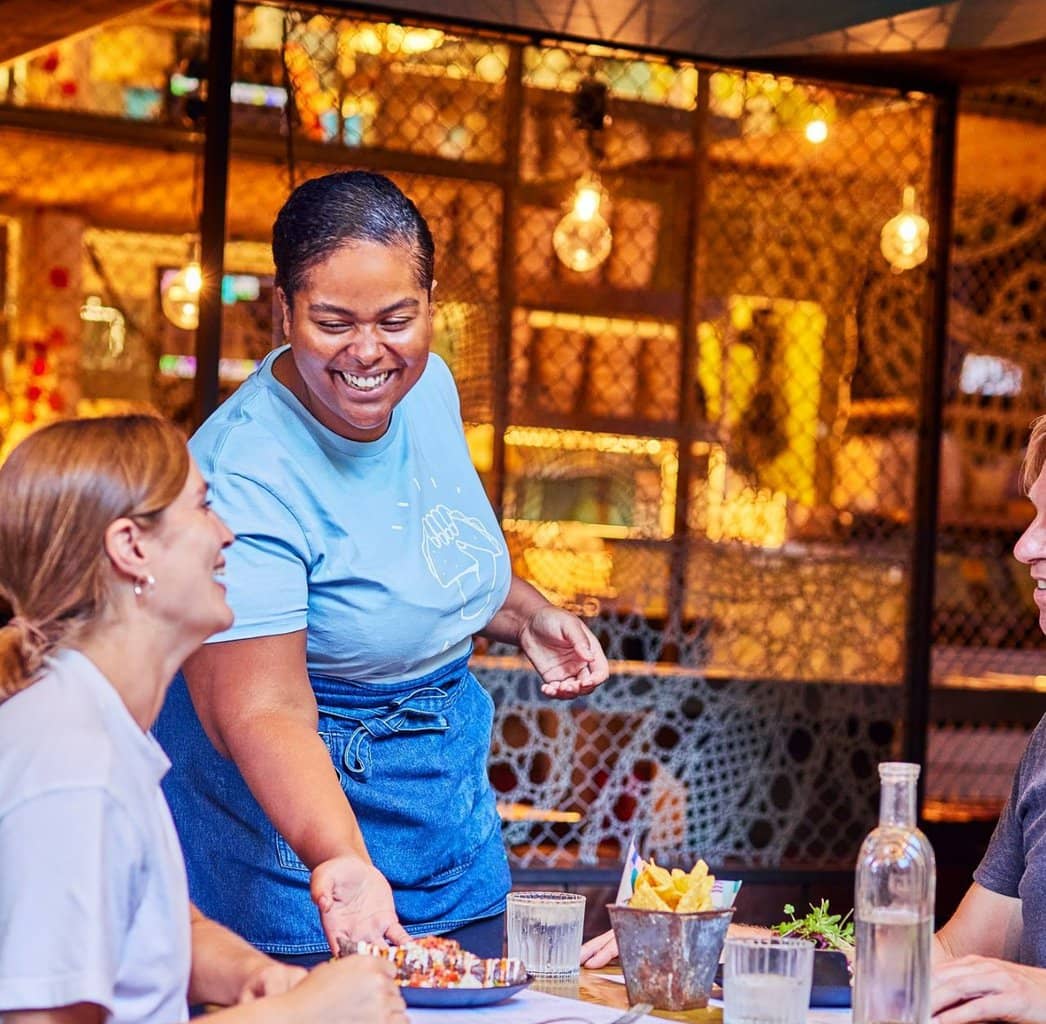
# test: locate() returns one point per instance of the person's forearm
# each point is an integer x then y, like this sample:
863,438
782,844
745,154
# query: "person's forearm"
222,962
262,1011
985,923
288,768
522,602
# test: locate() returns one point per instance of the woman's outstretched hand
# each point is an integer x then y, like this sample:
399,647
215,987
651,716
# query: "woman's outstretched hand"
355,902
565,653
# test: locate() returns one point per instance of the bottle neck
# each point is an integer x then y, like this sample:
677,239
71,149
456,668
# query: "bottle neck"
897,802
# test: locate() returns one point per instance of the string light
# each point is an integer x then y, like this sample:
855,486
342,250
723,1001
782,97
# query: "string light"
583,238
180,296
904,240
816,130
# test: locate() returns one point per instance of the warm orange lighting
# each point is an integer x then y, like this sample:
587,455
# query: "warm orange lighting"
752,515
816,130
180,299
904,239
378,37
583,238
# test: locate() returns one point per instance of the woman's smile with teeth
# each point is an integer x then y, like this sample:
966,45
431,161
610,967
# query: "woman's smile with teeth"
364,382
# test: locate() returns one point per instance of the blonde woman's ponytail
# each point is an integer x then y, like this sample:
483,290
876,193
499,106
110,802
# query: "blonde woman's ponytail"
23,647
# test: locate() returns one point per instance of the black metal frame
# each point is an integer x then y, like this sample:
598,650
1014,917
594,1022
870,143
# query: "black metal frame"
220,42
919,647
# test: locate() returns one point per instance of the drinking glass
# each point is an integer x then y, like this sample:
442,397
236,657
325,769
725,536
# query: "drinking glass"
767,981
544,931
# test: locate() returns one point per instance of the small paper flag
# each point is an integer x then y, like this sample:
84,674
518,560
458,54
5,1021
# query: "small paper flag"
630,872
724,890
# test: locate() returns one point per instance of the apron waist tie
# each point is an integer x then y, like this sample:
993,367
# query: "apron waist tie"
420,711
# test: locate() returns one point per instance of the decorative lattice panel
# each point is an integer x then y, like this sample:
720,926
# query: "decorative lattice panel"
732,771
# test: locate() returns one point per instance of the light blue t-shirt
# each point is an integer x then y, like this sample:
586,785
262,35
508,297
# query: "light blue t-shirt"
387,551
94,905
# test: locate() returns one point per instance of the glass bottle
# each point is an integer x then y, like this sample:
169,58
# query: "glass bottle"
893,909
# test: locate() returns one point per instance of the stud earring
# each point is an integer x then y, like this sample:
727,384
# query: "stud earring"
142,584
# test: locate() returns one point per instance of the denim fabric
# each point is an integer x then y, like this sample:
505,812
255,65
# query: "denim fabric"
411,758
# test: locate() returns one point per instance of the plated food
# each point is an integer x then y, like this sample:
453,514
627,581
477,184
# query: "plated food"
461,997
432,962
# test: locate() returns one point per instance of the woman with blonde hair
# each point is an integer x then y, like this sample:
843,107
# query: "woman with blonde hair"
109,555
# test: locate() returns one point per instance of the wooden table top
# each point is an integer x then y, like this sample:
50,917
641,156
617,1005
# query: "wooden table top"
591,988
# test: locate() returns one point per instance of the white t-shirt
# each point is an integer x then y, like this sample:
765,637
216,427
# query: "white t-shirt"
94,905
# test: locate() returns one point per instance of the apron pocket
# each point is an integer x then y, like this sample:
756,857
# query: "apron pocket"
286,857
456,871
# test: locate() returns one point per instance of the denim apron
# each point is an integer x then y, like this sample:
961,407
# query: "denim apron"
412,759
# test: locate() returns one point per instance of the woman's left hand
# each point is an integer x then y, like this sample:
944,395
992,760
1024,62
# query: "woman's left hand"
270,979
565,653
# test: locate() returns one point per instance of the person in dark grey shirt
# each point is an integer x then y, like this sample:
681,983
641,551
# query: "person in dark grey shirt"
990,958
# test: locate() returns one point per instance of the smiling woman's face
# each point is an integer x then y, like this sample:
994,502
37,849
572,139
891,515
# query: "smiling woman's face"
360,330
187,554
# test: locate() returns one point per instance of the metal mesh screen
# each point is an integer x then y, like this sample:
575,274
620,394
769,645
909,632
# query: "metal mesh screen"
779,573
689,374
986,621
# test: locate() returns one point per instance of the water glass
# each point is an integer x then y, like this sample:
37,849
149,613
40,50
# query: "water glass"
767,981
544,931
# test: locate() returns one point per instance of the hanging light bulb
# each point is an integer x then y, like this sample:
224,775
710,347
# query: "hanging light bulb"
583,238
904,238
180,296
816,130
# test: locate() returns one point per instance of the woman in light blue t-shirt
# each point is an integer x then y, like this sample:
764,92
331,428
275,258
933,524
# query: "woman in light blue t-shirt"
367,558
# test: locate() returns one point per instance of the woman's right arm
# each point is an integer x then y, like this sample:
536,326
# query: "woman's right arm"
257,707
80,1013
354,990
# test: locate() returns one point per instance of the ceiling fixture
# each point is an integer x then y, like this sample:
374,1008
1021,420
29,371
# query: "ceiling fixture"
180,294
816,130
583,239
904,239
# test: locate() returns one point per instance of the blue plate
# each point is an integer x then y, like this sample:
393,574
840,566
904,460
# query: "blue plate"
824,996
461,997
831,985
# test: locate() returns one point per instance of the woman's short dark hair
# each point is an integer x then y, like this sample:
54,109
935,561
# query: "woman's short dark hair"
325,214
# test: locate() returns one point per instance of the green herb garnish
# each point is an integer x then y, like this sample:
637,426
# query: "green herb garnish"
828,931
